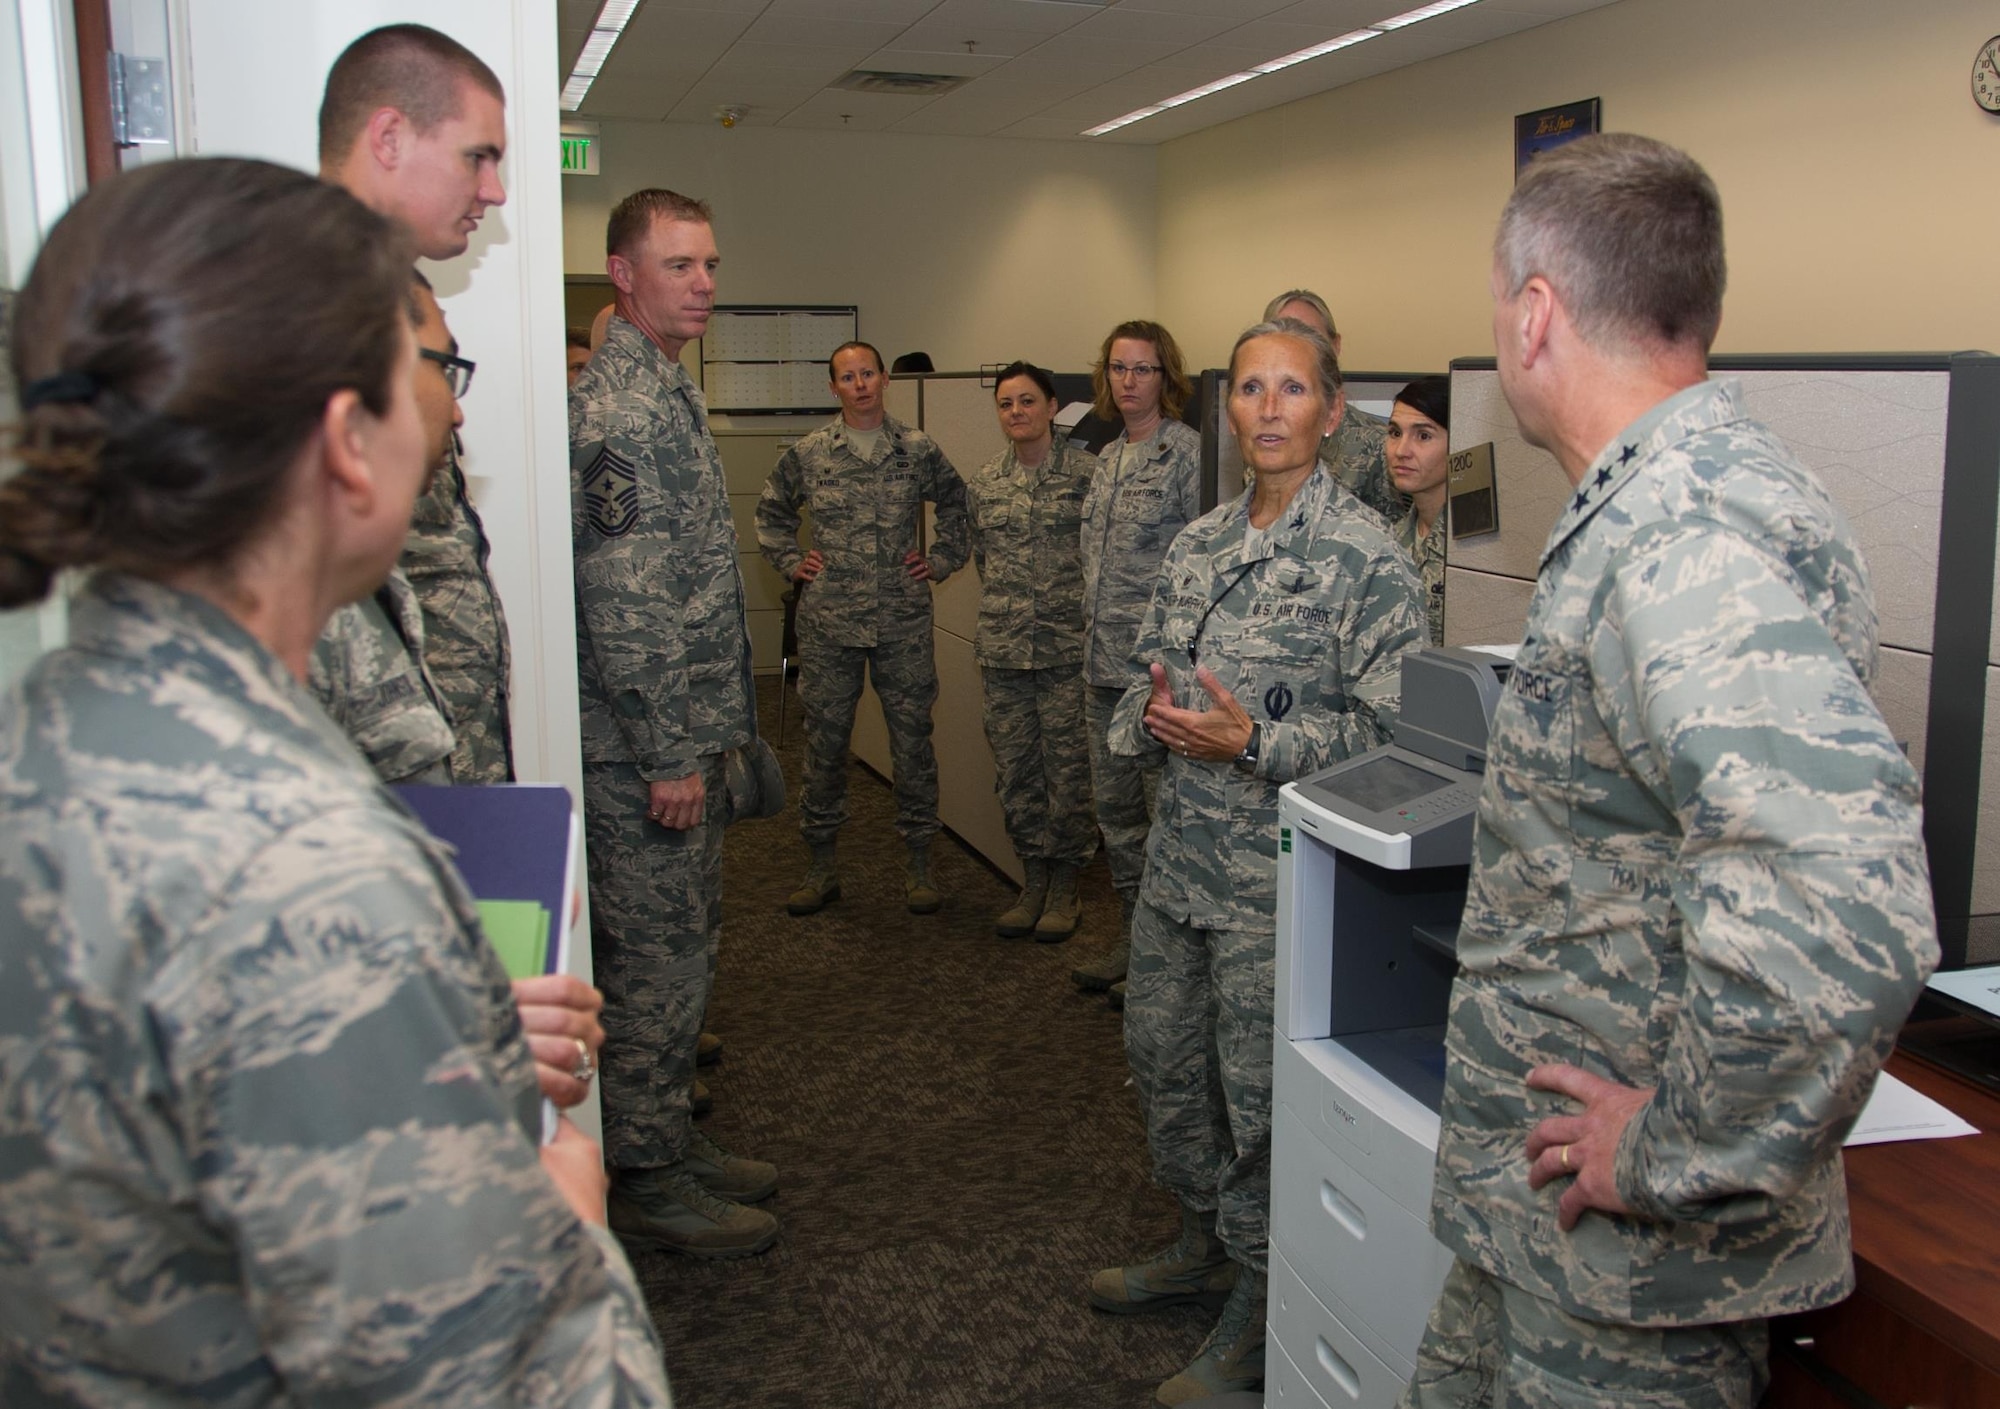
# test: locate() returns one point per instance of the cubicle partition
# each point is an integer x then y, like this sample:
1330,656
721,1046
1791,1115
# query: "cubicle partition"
1909,447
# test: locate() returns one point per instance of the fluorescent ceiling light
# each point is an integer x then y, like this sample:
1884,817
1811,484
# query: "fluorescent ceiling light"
1345,41
1284,61
1427,12
611,22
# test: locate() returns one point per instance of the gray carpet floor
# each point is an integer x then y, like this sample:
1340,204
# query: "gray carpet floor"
958,1146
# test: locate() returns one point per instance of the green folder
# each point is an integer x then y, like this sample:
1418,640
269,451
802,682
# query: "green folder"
518,930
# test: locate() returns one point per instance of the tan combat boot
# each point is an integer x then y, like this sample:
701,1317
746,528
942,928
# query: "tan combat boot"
1064,908
822,883
668,1207
730,1176
1232,1358
1098,976
923,897
1020,920
1193,1268
707,1050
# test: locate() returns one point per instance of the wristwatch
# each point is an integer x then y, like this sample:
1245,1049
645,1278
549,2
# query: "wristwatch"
1247,760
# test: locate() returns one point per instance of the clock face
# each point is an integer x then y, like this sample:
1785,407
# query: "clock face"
1986,76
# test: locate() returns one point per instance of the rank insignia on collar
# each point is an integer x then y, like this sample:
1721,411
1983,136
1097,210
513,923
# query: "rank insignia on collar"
1582,498
611,494
1626,453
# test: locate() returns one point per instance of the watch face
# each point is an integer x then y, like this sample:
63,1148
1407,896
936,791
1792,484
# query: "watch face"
1986,76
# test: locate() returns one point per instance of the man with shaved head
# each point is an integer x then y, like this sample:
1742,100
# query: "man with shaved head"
414,124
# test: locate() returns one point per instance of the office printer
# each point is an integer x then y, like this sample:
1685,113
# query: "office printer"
1372,866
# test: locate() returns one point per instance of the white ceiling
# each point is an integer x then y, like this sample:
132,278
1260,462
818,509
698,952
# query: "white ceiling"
1038,68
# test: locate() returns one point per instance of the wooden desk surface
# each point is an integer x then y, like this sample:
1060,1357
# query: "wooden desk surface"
1927,1219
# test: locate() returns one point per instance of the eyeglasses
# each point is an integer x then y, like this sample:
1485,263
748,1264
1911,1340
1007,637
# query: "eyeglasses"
457,371
1141,370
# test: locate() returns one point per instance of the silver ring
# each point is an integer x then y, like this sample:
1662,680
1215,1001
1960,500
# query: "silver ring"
586,1065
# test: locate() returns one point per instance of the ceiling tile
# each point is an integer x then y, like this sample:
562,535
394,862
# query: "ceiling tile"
962,65
866,112
1152,27
1036,16
900,12
821,28
1236,11
949,37
1339,16
750,57
1042,127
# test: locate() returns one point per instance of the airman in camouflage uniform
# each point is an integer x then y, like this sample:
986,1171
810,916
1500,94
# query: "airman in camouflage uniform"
368,674
271,1127
1690,876
1699,907
1027,546
465,631
1356,454
1142,497
1426,554
1307,631
663,682
1355,451
865,612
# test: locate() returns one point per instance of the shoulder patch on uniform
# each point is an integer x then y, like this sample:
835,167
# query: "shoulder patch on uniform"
611,494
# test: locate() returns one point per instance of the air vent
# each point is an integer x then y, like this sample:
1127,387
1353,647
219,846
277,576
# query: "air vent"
908,85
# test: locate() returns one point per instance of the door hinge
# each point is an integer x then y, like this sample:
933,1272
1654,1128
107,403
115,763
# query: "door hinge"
139,111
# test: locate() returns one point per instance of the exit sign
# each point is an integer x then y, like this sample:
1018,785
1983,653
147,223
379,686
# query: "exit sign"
580,143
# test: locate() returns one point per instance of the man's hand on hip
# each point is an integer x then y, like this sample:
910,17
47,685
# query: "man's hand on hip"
1582,1148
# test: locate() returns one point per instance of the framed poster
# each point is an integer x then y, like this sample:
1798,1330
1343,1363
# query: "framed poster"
1538,132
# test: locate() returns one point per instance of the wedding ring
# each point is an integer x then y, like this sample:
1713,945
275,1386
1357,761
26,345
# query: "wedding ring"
586,1065
1565,1157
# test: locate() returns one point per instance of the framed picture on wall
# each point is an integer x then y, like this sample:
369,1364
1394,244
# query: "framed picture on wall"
1537,132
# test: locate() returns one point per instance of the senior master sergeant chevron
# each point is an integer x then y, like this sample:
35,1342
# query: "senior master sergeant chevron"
1699,909
663,680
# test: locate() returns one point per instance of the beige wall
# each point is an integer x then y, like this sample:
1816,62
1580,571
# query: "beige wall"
1860,186
971,249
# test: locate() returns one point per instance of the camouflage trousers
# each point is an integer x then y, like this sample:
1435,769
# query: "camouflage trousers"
905,680
1122,790
1041,758
1490,1345
1198,1030
655,921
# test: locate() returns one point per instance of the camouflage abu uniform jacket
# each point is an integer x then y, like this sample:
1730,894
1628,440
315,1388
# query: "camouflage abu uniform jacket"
368,674
1697,865
270,1132
465,632
1307,631
1128,521
1426,555
1357,454
1027,544
866,516
662,648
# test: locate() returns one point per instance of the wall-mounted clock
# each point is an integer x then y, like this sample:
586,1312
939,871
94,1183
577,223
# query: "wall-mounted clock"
1986,76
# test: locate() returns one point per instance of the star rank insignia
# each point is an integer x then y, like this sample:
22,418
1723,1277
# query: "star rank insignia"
611,494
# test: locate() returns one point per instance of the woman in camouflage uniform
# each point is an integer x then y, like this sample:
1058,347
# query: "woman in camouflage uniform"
1027,510
270,1128
1273,645
1419,428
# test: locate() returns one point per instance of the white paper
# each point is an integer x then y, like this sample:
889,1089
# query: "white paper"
1898,1111
1979,987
